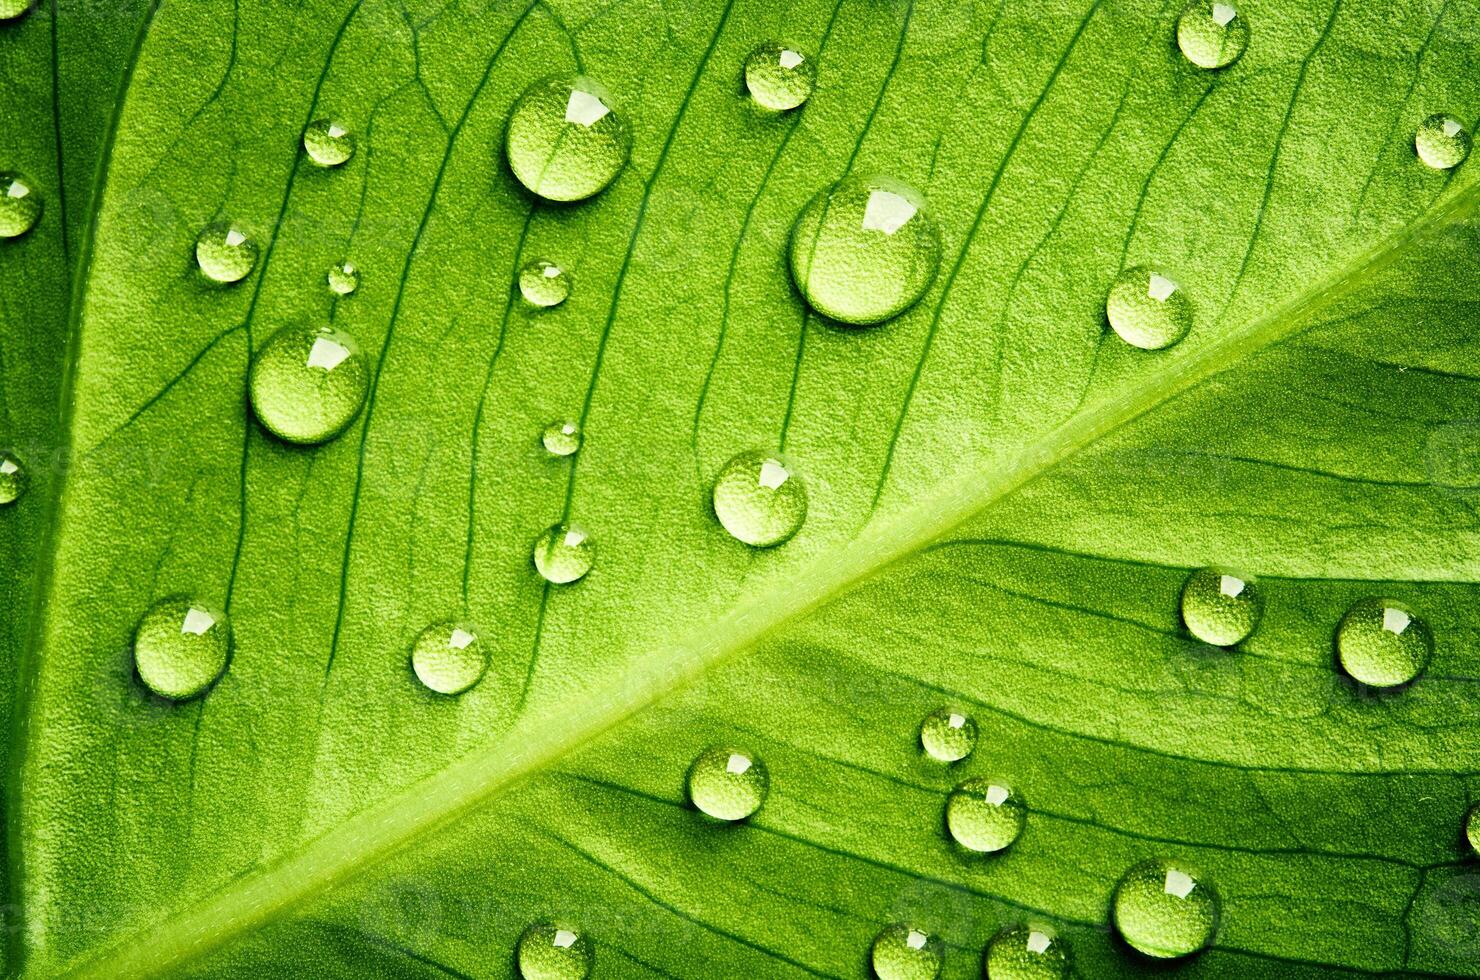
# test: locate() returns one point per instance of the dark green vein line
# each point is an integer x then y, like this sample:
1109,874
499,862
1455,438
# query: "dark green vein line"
399,949
180,376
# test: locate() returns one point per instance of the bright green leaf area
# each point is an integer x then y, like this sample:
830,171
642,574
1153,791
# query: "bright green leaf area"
1003,498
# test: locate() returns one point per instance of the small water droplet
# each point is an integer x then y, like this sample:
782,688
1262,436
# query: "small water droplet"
564,553
1472,828
984,815
224,253
903,953
344,278
11,9
1383,643
948,735
562,438
544,284
1027,953
448,657
13,478
1212,34
181,647
1442,142
1164,910
1220,607
865,250
20,205
307,384
759,500
565,139
551,952
780,76
728,784
1147,309
327,143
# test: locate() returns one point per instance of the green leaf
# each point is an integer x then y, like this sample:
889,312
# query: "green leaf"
1004,498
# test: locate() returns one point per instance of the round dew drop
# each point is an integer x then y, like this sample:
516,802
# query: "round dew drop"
1220,607
544,284
864,250
1472,828
565,139
1164,911
948,735
181,648
448,658
307,384
779,77
1026,953
728,784
561,438
759,500
11,9
13,478
902,953
1383,643
984,816
224,254
550,952
1147,309
1212,34
327,143
1442,142
20,205
343,279
564,554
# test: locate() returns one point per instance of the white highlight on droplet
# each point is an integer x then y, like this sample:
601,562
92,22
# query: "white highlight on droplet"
997,795
1231,586
956,721
336,130
7,466
737,764
568,428
234,237
887,211
573,538
584,109
1395,620
1451,127
460,638
551,271
790,59
916,939
1039,942
17,190
773,474
1160,288
1179,883
197,621
1223,13
564,939
326,354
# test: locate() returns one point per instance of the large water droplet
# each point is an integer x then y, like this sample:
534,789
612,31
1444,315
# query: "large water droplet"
308,383
865,250
543,283
1383,643
1442,142
903,953
565,139
728,784
561,438
20,205
181,647
11,9
1220,607
948,735
344,278
564,554
759,500
448,657
1164,910
1212,34
1147,309
327,143
1027,953
985,816
1472,828
13,478
551,952
779,76
225,254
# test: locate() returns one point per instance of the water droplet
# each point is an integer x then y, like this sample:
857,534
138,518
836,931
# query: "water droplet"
544,283
13,478
225,254
20,205
308,383
865,250
985,816
728,784
903,953
1383,643
1442,142
1212,34
448,657
565,140
562,438
11,9
1472,828
1147,309
948,735
1165,911
779,77
344,278
551,952
1027,953
564,554
1220,607
759,500
181,647
327,143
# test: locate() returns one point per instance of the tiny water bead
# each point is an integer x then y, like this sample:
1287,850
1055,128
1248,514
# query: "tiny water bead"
1212,34
327,143
984,816
550,952
1442,142
1026,953
565,140
903,953
543,283
1147,309
728,784
1220,607
13,478
759,500
225,254
181,647
865,249
343,278
564,554
1165,911
448,658
948,735
779,77
20,205
1383,643
561,438
308,383
1472,828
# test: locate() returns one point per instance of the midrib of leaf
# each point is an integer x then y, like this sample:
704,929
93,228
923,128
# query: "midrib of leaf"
363,841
